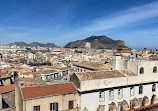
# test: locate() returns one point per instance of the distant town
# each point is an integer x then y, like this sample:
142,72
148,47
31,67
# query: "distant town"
78,79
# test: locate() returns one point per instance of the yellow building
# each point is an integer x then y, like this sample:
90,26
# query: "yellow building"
18,70
55,97
28,75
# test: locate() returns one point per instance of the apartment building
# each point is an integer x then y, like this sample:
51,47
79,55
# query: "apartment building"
131,84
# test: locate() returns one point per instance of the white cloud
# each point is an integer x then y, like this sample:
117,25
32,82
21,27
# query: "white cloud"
134,16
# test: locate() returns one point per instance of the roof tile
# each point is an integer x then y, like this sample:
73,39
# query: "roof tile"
46,90
8,88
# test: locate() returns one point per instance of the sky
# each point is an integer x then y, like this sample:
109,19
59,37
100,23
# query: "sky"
62,21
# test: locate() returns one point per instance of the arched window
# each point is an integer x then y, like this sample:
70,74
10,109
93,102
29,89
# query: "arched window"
155,69
141,70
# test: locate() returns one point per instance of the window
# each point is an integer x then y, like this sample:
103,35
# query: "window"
101,96
111,94
132,91
141,70
120,93
153,87
36,108
53,106
140,89
155,69
71,104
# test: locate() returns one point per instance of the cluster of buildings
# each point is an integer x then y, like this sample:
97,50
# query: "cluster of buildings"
79,80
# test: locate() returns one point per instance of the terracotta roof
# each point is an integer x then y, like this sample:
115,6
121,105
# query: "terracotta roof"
47,90
103,74
8,88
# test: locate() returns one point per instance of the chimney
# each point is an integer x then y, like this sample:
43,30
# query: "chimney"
115,62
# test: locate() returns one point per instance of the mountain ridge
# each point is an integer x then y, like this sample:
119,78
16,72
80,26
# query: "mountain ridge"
33,44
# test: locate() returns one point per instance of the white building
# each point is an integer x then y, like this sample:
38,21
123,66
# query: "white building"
55,73
131,84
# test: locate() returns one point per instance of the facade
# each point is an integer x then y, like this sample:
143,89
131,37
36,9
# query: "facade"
57,72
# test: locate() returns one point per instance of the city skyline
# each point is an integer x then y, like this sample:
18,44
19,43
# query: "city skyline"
63,21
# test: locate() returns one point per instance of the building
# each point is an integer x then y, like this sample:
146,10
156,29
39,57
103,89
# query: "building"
131,84
28,75
7,96
55,97
123,50
54,72
90,66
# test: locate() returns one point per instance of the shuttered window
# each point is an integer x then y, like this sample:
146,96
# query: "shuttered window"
53,106
71,104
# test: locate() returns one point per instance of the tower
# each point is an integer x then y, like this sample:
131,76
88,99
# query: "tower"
18,96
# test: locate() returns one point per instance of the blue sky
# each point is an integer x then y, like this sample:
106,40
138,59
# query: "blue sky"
62,21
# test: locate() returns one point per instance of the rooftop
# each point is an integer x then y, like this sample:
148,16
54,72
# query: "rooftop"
8,88
48,90
103,74
94,65
32,80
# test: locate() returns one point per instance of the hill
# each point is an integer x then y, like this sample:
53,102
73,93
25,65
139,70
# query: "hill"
97,42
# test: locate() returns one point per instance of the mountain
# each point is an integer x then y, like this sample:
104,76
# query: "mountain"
97,42
33,44
50,45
